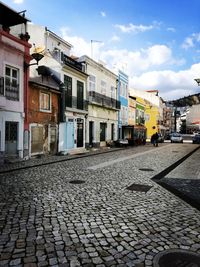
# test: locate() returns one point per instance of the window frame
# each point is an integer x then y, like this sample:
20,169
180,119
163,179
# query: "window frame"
92,84
43,109
103,85
11,94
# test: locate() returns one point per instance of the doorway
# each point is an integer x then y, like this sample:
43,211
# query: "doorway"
11,135
91,129
79,132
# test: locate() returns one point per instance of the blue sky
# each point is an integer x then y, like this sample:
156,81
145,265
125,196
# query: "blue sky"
157,43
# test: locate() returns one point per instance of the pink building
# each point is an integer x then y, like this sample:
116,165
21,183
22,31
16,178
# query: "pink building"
14,53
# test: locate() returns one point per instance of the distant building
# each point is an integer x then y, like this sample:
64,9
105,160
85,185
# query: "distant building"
193,119
123,94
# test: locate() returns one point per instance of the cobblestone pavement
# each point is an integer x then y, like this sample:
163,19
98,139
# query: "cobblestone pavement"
47,221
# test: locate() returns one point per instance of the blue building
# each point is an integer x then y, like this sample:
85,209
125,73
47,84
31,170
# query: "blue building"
123,96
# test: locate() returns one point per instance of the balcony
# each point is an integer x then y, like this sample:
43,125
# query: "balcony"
76,103
12,91
104,101
71,62
140,120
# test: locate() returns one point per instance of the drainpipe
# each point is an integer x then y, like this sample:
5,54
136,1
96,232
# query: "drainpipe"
62,103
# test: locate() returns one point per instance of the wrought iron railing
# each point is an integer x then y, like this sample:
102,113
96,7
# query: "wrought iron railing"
103,100
77,103
12,91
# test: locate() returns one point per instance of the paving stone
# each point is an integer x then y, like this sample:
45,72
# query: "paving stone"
99,223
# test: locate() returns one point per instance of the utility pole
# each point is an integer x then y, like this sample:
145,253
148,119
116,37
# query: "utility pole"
94,41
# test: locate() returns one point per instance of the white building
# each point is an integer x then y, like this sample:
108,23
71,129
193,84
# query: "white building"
193,118
103,107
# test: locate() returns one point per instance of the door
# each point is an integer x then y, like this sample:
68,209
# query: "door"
11,135
102,132
112,131
79,132
53,139
37,139
91,131
70,133
79,95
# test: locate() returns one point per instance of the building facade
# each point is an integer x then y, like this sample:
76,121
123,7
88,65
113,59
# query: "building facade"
71,78
103,106
123,92
43,115
14,52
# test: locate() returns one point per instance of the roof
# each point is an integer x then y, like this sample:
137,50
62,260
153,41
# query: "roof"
9,17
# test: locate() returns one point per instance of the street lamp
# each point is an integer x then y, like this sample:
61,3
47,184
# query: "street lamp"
37,57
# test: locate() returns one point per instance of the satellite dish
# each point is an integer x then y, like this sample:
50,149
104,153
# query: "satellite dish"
39,49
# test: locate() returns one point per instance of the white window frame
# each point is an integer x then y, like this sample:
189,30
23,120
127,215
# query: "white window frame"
103,87
92,83
43,109
112,92
11,79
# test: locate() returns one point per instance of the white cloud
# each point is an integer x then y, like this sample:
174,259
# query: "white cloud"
81,46
134,28
141,60
115,38
191,40
18,1
171,85
103,14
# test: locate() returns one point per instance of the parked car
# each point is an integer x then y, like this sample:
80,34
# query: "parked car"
121,142
196,139
176,138
160,138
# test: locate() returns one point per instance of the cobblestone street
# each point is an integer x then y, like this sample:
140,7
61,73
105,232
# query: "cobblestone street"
49,218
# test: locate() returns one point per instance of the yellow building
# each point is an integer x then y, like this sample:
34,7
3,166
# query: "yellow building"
151,119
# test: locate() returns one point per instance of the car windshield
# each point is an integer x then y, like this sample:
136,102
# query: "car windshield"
176,135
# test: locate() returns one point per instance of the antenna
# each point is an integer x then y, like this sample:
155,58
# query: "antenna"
94,41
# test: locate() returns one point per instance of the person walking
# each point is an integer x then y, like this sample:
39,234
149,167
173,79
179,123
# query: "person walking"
154,139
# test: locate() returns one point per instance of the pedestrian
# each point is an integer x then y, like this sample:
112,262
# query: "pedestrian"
154,139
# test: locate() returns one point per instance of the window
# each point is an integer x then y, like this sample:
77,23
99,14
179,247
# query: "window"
12,83
92,83
68,91
45,101
79,95
103,87
112,89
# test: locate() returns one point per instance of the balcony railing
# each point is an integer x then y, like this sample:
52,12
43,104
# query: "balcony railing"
1,86
12,91
71,62
77,103
140,121
103,100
